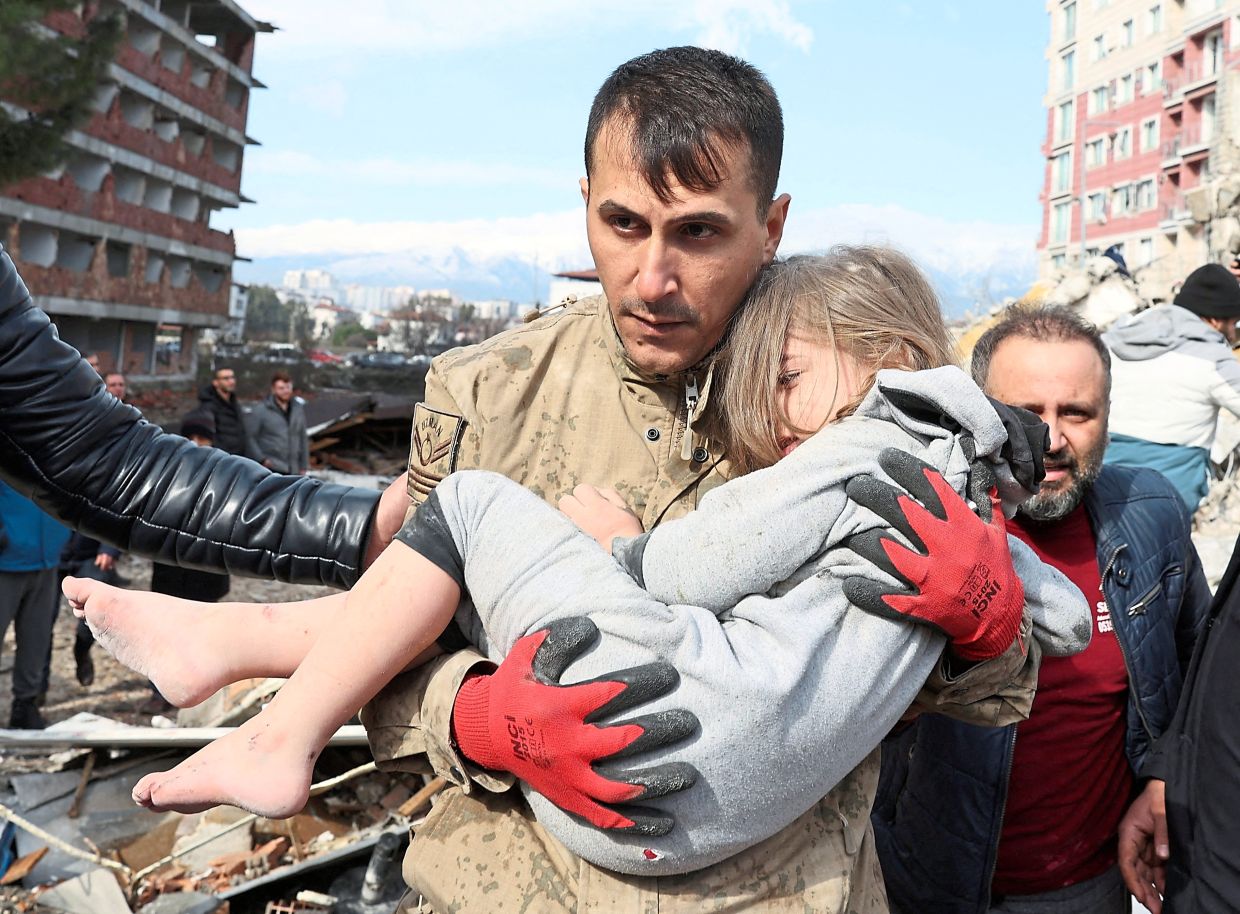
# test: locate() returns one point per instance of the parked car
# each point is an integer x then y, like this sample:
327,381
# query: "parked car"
323,357
384,360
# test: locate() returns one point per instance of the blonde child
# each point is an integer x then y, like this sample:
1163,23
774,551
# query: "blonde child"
834,361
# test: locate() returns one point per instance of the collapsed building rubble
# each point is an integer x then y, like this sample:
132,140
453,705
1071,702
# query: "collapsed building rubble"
75,842
362,434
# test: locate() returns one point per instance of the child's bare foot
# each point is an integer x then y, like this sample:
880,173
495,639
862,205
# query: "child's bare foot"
175,643
252,768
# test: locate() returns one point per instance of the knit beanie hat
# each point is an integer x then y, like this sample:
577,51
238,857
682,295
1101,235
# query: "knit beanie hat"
1210,291
198,423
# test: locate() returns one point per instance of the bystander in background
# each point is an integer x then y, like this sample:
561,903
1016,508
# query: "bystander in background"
278,428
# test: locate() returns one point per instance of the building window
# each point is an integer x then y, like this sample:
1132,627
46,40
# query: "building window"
1126,34
1067,70
1149,135
1069,22
1123,90
1121,200
1060,221
1059,261
1061,173
1094,155
1123,143
1145,252
1146,198
1100,47
1207,118
1098,99
1064,122
1153,77
1097,211
1212,56
1153,19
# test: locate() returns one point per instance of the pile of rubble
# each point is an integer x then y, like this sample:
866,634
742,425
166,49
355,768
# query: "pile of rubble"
79,845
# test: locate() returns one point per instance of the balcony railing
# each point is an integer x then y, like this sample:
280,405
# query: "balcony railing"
1173,208
1171,147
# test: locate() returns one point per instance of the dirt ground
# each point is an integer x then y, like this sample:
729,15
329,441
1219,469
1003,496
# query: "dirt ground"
117,691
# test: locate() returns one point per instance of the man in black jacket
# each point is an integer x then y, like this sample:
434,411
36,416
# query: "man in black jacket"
1177,844
220,399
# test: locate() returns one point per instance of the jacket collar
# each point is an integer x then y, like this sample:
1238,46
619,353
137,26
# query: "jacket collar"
646,386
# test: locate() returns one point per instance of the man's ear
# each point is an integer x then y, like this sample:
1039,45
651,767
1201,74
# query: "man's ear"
584,183
776,215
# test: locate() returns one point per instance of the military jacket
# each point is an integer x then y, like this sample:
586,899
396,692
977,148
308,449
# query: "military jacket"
553,404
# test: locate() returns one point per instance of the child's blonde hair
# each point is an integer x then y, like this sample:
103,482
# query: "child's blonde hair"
870,302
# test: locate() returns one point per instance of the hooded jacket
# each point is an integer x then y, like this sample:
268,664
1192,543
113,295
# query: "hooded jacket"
1171,372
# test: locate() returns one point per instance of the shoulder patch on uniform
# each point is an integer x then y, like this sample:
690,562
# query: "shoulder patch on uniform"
433,449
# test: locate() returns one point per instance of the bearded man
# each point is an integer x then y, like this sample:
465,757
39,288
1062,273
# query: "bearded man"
1024,819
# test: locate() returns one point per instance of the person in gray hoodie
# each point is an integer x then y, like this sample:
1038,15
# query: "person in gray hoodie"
278,428
759,596
1172,370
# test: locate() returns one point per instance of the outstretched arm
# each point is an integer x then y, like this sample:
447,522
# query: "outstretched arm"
97,465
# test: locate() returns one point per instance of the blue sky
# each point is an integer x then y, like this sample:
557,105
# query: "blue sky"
391,126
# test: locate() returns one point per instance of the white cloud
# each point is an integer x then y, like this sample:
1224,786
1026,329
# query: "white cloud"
555,239
389,171
317,27
547,237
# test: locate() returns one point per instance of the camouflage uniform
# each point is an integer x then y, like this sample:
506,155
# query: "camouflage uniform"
568,407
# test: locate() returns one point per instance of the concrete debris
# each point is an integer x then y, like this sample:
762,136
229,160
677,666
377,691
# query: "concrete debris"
95,892
162,864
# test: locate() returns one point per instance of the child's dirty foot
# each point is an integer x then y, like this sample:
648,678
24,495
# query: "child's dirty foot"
170,641
251,768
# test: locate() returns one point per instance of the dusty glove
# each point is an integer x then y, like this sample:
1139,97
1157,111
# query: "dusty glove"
521,720
960,578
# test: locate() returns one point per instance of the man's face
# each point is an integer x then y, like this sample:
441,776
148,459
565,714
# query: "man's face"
282,391
674,272
1065,383
225,382
115,383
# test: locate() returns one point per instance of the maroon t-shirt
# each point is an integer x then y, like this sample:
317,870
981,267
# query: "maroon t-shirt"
1070,781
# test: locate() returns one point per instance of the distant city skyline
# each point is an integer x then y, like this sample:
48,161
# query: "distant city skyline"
915,124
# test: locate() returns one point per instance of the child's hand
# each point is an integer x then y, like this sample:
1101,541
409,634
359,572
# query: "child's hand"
601,513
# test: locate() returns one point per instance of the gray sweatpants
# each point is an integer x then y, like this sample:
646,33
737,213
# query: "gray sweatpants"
28,600
793,685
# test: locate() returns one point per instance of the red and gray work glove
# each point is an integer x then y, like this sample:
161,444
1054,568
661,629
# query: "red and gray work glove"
520,719
960,578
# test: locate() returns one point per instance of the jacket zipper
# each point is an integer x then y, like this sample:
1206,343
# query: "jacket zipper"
1123,651
691,402
1007,779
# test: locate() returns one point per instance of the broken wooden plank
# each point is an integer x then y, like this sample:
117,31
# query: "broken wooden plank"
21,866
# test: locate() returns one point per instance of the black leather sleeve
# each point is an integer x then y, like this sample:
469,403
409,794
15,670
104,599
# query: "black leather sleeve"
97,465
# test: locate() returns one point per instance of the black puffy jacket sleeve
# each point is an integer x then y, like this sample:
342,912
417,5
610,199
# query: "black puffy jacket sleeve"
101,468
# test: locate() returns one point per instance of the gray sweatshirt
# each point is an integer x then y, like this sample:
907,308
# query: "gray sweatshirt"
793,685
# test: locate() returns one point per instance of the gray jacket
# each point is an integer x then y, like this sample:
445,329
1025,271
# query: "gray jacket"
281,437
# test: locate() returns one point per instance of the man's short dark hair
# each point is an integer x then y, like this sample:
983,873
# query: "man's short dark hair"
223,368
685,108
1057,324
113,374
281,376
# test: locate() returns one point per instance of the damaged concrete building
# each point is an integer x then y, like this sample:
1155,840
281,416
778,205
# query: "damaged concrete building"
1143,137
117,246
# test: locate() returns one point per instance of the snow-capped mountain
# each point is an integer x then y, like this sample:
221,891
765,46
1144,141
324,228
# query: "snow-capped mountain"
973,265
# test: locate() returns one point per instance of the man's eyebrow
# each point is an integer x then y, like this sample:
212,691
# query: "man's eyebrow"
612,208
708,215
